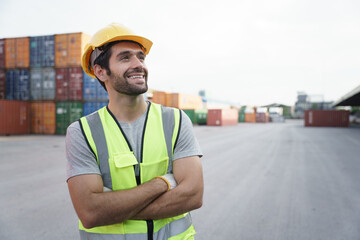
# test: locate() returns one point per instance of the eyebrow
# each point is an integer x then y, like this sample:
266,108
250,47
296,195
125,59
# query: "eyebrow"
130,52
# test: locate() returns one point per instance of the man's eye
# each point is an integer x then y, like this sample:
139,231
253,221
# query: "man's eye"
124,58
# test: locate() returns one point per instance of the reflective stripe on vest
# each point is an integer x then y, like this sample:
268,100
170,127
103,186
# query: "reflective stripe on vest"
116,161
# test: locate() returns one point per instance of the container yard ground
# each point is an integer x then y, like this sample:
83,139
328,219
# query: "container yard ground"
262,181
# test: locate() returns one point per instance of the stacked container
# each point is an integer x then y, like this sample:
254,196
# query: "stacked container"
66,113
94,95
43,117
14,117
198,116
183,101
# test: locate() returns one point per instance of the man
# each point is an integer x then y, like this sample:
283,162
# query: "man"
134,169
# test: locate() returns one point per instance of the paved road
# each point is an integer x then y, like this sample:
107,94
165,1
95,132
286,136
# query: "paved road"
263,181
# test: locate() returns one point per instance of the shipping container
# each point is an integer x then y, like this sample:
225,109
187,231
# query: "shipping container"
23,52
2,53
18,84
69,83
93,91
43,117
222,117
90,107
241,116
42,51
67,113
183,101
201,116
250,117
191,114
262,117
10,53
14,117
42,83
2,84
69,48
327,118
159,97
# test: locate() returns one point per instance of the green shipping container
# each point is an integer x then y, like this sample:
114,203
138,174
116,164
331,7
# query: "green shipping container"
67,113
241,116
198,116
201,116
191,114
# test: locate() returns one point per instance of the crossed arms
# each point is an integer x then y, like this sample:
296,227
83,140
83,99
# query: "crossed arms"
150,200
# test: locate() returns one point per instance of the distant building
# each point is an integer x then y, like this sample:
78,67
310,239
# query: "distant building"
310,102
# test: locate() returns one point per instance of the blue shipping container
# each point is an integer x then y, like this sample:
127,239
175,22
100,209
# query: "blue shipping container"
90,107
92,89
42,51
18,84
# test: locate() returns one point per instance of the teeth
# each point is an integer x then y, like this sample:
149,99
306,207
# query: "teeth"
136,77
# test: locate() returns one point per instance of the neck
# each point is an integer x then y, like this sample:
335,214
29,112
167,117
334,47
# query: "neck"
127,108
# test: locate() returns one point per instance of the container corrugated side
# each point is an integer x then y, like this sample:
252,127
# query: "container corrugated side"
23,52
90,107
10,53
75,83
66,113
43,117
327,118
62,84
36,84
42,51
2,53
101,93
241,116
90,87
48,78
18,84
2,84
68,49
14,117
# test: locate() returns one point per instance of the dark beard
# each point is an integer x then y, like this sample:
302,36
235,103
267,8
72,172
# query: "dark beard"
122,85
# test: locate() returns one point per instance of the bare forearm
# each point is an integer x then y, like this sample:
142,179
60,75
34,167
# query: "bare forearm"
118,206
175,202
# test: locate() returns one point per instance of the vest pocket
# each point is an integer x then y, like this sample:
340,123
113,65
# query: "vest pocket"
156,168
123,170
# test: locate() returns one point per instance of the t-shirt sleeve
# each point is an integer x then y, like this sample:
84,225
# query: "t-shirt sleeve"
80,159
187,144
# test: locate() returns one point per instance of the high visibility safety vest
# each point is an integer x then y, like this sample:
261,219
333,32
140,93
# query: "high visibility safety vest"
117,161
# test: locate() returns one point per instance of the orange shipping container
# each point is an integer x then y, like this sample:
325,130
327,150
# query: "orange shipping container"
10,53
14,117
222,117
23,52
43,117
159,97
183,101
17,52
250,117
69,48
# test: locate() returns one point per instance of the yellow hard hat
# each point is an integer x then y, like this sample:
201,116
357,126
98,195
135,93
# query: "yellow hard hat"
112,32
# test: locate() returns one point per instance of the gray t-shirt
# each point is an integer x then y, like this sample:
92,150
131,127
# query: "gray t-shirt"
81,160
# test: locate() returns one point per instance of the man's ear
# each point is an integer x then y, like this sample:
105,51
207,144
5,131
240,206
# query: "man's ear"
100,73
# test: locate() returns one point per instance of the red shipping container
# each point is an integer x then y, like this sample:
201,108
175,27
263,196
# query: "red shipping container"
327,118
69,83
2,84
14,117
262,117
222,117
2,53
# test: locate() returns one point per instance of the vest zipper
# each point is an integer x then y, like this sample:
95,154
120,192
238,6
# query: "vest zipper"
150,228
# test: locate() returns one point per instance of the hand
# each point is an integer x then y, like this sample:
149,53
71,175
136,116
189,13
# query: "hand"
169,179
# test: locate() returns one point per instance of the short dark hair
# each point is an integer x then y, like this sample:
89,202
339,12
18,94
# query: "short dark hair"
103,59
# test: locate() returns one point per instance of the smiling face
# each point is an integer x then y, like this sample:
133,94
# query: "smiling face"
128,72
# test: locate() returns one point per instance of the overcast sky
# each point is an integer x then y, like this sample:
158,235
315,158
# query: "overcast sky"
252,52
